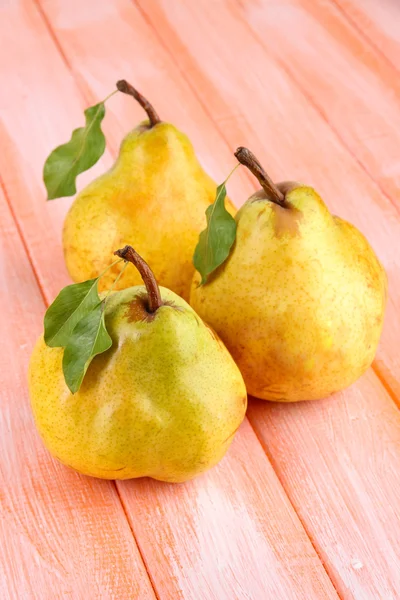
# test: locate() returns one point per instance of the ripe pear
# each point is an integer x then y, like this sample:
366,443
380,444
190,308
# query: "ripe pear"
164,401
300,301
154,197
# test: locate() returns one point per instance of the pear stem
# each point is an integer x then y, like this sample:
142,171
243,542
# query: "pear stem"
153,291
247,158
126,88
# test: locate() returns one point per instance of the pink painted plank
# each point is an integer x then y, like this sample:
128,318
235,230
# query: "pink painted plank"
39,107
338,460
270,115
287,563
51,544
229,534
378,21
355,90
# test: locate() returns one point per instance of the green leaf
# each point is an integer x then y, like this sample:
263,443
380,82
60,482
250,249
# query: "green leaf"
217,239
66,162
89,338
72,304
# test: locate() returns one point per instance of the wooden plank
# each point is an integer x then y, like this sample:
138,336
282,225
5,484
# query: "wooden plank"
270,115
278,553
288,134
338,460
40,105
355,89
51,544
229,534
377,21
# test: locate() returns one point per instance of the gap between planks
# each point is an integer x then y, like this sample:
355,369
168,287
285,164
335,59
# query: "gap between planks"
23,241
304,525
362,34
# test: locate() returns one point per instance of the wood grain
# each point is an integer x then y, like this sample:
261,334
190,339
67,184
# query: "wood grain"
189,542
338,460
51,544
378,22
229,534
39,106
352,86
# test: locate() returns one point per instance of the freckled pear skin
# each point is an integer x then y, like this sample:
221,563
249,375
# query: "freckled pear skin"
300,301
154,198
164,401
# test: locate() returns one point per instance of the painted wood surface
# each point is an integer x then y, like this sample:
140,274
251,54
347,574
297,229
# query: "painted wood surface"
305,504
258,524
362,108
378,22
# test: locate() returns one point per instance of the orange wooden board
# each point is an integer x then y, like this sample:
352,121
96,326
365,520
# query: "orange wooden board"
338,460
378,22
339,79
230,534
305,503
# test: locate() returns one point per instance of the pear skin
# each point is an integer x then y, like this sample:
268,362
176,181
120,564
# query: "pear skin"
300,301
164,402
155,198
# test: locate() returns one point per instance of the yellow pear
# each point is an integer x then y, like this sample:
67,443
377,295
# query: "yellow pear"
154,197
164,401
300,301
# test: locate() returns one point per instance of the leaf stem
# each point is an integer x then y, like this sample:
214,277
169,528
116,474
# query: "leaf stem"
109,267
231,173
153,291
109,96
247,158
116,280
126,88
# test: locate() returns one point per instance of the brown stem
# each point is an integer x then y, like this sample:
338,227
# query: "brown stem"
126,88
247,158
153,291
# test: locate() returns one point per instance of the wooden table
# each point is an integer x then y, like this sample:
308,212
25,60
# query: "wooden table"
306,503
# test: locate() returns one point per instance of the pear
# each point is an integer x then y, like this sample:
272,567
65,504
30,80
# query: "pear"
154,197
164,401
300,300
